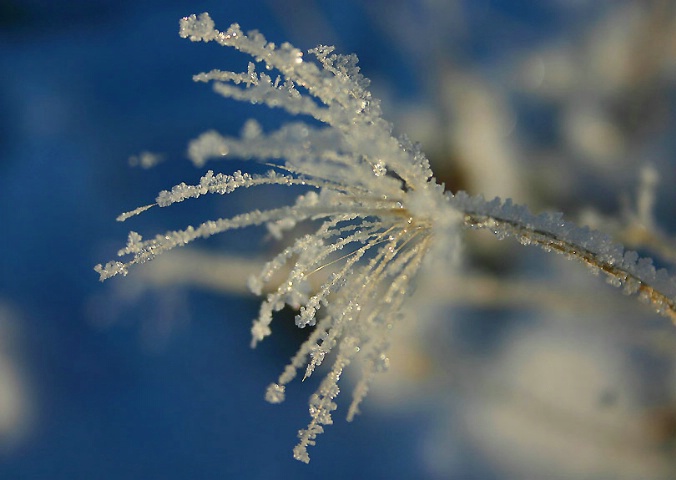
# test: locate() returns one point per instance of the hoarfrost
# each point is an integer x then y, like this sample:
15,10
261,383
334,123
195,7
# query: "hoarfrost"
378,213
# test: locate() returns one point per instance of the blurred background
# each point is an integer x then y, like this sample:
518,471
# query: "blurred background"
526,366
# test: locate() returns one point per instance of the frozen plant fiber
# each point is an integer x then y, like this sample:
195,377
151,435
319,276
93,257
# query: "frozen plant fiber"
378,214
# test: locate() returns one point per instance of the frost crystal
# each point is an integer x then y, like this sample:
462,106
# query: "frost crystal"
364,179
378,213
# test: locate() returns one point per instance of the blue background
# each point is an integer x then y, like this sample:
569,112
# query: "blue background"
86,84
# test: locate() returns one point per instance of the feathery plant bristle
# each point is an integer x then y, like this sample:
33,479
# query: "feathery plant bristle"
380,216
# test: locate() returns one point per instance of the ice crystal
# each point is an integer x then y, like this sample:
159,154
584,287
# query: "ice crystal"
378,213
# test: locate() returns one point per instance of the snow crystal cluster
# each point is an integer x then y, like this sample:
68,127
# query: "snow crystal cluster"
377,212
371,195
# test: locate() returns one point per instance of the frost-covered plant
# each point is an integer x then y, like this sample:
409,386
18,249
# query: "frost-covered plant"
379,214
